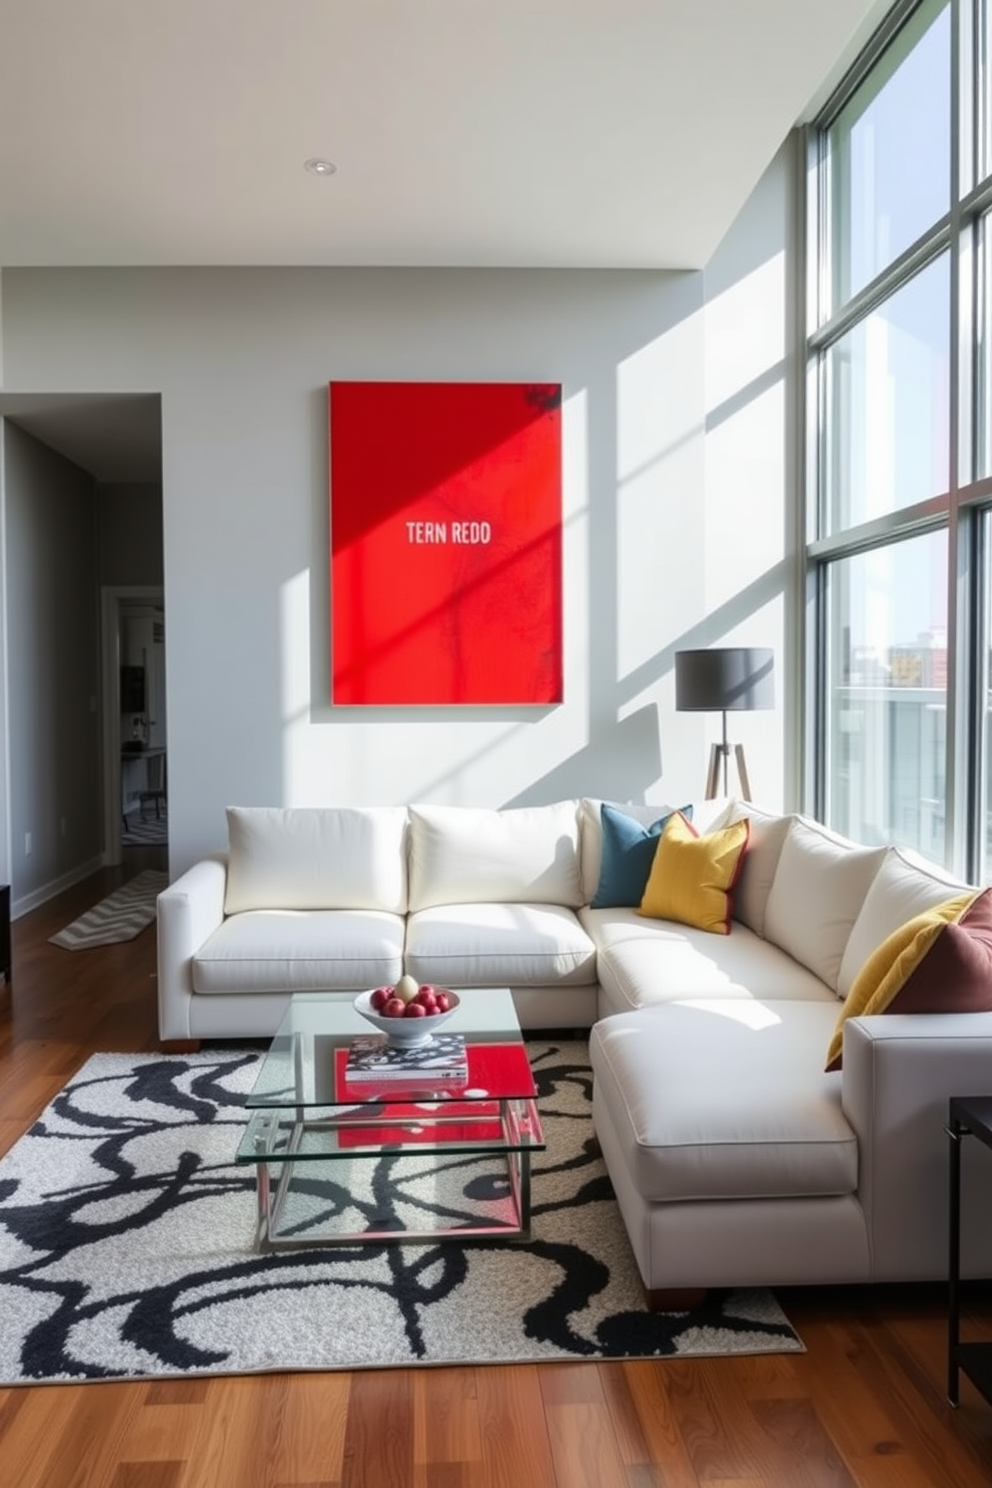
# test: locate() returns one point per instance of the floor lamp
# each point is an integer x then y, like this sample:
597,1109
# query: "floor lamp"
723,680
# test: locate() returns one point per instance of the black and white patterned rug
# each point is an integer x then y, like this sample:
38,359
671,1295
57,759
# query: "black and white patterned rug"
127,1232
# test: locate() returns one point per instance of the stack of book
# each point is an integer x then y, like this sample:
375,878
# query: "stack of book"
372,1058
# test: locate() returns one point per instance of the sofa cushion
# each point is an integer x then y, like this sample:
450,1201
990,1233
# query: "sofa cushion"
819,886
287,951
764,847
316,857
473,855
497,945
903,887
628,849
666,962
938,962
725,1100
692,876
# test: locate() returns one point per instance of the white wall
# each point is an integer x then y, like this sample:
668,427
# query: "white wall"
242,359
754,528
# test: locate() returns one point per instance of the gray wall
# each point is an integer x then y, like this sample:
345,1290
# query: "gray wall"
52,666
656,548
130,534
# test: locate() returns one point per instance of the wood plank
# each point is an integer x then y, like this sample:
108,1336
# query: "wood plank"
155,1474
654,1439
631,1440
715,1422
584,1445
310,1432
862,1430
87,1447
378,1441
233,1441
516,1447
803,1449
447,1432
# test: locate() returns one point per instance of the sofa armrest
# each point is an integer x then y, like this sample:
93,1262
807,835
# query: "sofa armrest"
898,1073
189,911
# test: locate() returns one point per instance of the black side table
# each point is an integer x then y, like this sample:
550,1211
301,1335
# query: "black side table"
969,1116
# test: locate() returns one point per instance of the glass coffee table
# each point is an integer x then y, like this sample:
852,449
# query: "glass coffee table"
340,1163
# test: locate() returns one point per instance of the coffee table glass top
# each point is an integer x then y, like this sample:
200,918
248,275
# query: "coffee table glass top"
304,1066
330,1154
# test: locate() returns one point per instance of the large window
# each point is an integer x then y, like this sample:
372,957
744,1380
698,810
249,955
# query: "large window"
887,689
899,351
983,350
889,156
888,383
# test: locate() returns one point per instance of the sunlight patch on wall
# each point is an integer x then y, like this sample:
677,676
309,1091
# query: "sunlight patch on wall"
578,566
294,683
659,489
750,523
745,333
745,495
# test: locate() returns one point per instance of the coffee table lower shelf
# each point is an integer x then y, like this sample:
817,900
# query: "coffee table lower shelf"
310,1165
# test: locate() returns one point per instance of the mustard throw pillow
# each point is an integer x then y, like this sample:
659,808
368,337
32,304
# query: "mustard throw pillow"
940,961
692,877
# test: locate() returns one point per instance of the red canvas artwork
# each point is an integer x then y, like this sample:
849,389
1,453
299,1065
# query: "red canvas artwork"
445,542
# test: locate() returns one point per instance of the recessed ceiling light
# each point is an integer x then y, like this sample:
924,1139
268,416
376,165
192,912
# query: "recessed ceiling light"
318,167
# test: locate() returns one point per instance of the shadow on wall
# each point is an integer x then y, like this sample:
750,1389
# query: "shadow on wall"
621,764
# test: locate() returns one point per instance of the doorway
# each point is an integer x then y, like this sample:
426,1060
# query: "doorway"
135,762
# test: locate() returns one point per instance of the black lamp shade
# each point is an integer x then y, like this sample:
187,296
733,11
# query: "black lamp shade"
728,678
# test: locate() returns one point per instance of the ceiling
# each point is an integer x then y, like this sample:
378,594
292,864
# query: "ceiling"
117,437
489,133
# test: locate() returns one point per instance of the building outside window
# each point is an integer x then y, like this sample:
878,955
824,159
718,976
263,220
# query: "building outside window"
899,439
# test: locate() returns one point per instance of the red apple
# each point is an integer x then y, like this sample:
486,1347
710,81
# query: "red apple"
379,998
395,1008
414,1010
442,1002
427,999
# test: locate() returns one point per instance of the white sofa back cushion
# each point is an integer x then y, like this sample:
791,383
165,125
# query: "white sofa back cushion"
764,848
904,886
817,892
316,857
475,855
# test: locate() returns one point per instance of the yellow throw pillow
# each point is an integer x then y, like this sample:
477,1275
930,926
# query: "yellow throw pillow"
940,961
692,877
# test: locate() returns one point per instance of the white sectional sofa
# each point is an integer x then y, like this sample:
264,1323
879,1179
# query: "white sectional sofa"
736,1157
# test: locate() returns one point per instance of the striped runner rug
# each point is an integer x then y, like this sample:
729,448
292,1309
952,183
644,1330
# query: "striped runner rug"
121,916
145,829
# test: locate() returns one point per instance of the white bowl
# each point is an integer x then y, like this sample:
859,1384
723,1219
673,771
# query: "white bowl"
406,1033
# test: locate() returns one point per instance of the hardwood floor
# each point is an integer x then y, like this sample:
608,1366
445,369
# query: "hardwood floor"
864,1406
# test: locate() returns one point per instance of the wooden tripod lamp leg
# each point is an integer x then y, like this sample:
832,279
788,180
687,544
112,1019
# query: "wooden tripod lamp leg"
713,774
742,772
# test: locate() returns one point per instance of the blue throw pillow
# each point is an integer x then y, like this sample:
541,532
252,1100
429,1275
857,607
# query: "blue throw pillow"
628,852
